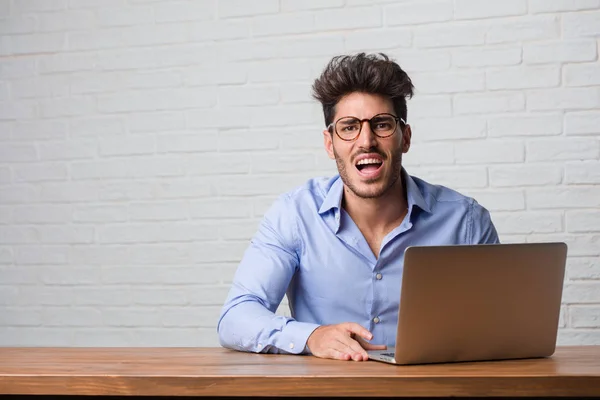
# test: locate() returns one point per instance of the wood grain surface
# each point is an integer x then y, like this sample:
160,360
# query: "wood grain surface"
572,371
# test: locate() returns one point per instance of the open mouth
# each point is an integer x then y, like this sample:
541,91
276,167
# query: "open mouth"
369,167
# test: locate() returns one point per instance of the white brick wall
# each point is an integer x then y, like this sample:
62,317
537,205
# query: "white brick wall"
142,141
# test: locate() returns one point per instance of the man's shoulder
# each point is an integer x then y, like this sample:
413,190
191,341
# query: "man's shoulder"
437,195
313,191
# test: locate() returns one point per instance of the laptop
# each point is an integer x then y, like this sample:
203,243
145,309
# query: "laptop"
478,302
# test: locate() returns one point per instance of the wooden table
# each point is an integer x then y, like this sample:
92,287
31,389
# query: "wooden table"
572,371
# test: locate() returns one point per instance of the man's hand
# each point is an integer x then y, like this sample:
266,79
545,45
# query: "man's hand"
345,341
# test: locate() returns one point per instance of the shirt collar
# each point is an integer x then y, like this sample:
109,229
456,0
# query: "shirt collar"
333,198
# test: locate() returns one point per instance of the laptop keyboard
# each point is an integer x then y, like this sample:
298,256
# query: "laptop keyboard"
388,354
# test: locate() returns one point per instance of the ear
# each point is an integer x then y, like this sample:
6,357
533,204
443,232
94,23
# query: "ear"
406,136
328,142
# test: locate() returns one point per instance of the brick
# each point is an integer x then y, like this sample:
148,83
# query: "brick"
577,25
177,11
154,233
301,139
6,257
173,188
258,185
18,110
4,96
563,98
161,254
242,230
448,82
583,221
525,175
19,194
97,126
524,29
67,62
248,95
527,222
36,43
131,317
17,25
348,18
157,100
19,234
281,162
42,214
238,8
17,275
429,154
155,121
581,292
189,337
448,129
103,337
109,17
131,58
489,151
220,209
105,296
67,150
12,68
455,177
65,21
67,107
96,4
563,149
96,82
159,296
95,255
582,123
4,9
542,6
17,153
187,142
41,172
486,56
429,106
74,317
20,316
27,6
69,276
583,268
279,70
127,146
40,130
475,9
37,336
5,175
578,337
418,13
295,93
208,296
158,275
220,30
284,115
185,316
142,167
495,102
64,234
41,255
582,172
523,77
185,55
293,5
419,61
525,125
583,245
219,163
584,316
500,200
564,197
101,213
158,211
559,52
449,36
69,192
582,75
283,24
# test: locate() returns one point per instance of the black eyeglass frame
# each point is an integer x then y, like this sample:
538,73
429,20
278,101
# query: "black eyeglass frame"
396,119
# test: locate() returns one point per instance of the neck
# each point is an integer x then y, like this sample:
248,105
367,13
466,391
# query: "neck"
378,215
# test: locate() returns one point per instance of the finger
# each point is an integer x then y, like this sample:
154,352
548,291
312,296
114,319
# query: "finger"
339,355
369,346
353,347
359,330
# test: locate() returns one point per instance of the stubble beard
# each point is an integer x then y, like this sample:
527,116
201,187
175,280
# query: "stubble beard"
373,190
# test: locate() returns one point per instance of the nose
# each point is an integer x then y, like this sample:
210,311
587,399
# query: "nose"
366,138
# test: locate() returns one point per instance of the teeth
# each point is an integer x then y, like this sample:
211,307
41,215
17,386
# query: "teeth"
368,161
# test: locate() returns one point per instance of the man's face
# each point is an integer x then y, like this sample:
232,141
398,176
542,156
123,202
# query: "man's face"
369,165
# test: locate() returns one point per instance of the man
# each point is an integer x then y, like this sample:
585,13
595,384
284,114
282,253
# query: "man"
336,246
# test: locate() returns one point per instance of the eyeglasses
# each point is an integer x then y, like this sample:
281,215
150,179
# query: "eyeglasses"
382,125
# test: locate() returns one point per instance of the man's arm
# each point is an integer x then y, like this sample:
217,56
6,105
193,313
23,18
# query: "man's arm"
248,321
482,230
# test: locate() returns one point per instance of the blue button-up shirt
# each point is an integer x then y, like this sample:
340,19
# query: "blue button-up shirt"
308,247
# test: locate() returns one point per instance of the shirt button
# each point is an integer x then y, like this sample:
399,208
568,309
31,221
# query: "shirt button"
259,346
376,320
378,276
291,345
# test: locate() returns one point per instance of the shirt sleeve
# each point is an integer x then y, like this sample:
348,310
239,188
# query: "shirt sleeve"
248,321
483,230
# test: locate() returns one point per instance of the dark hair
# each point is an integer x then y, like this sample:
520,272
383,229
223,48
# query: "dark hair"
373,73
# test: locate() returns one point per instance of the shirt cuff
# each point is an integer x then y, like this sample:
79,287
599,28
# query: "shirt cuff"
294,337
